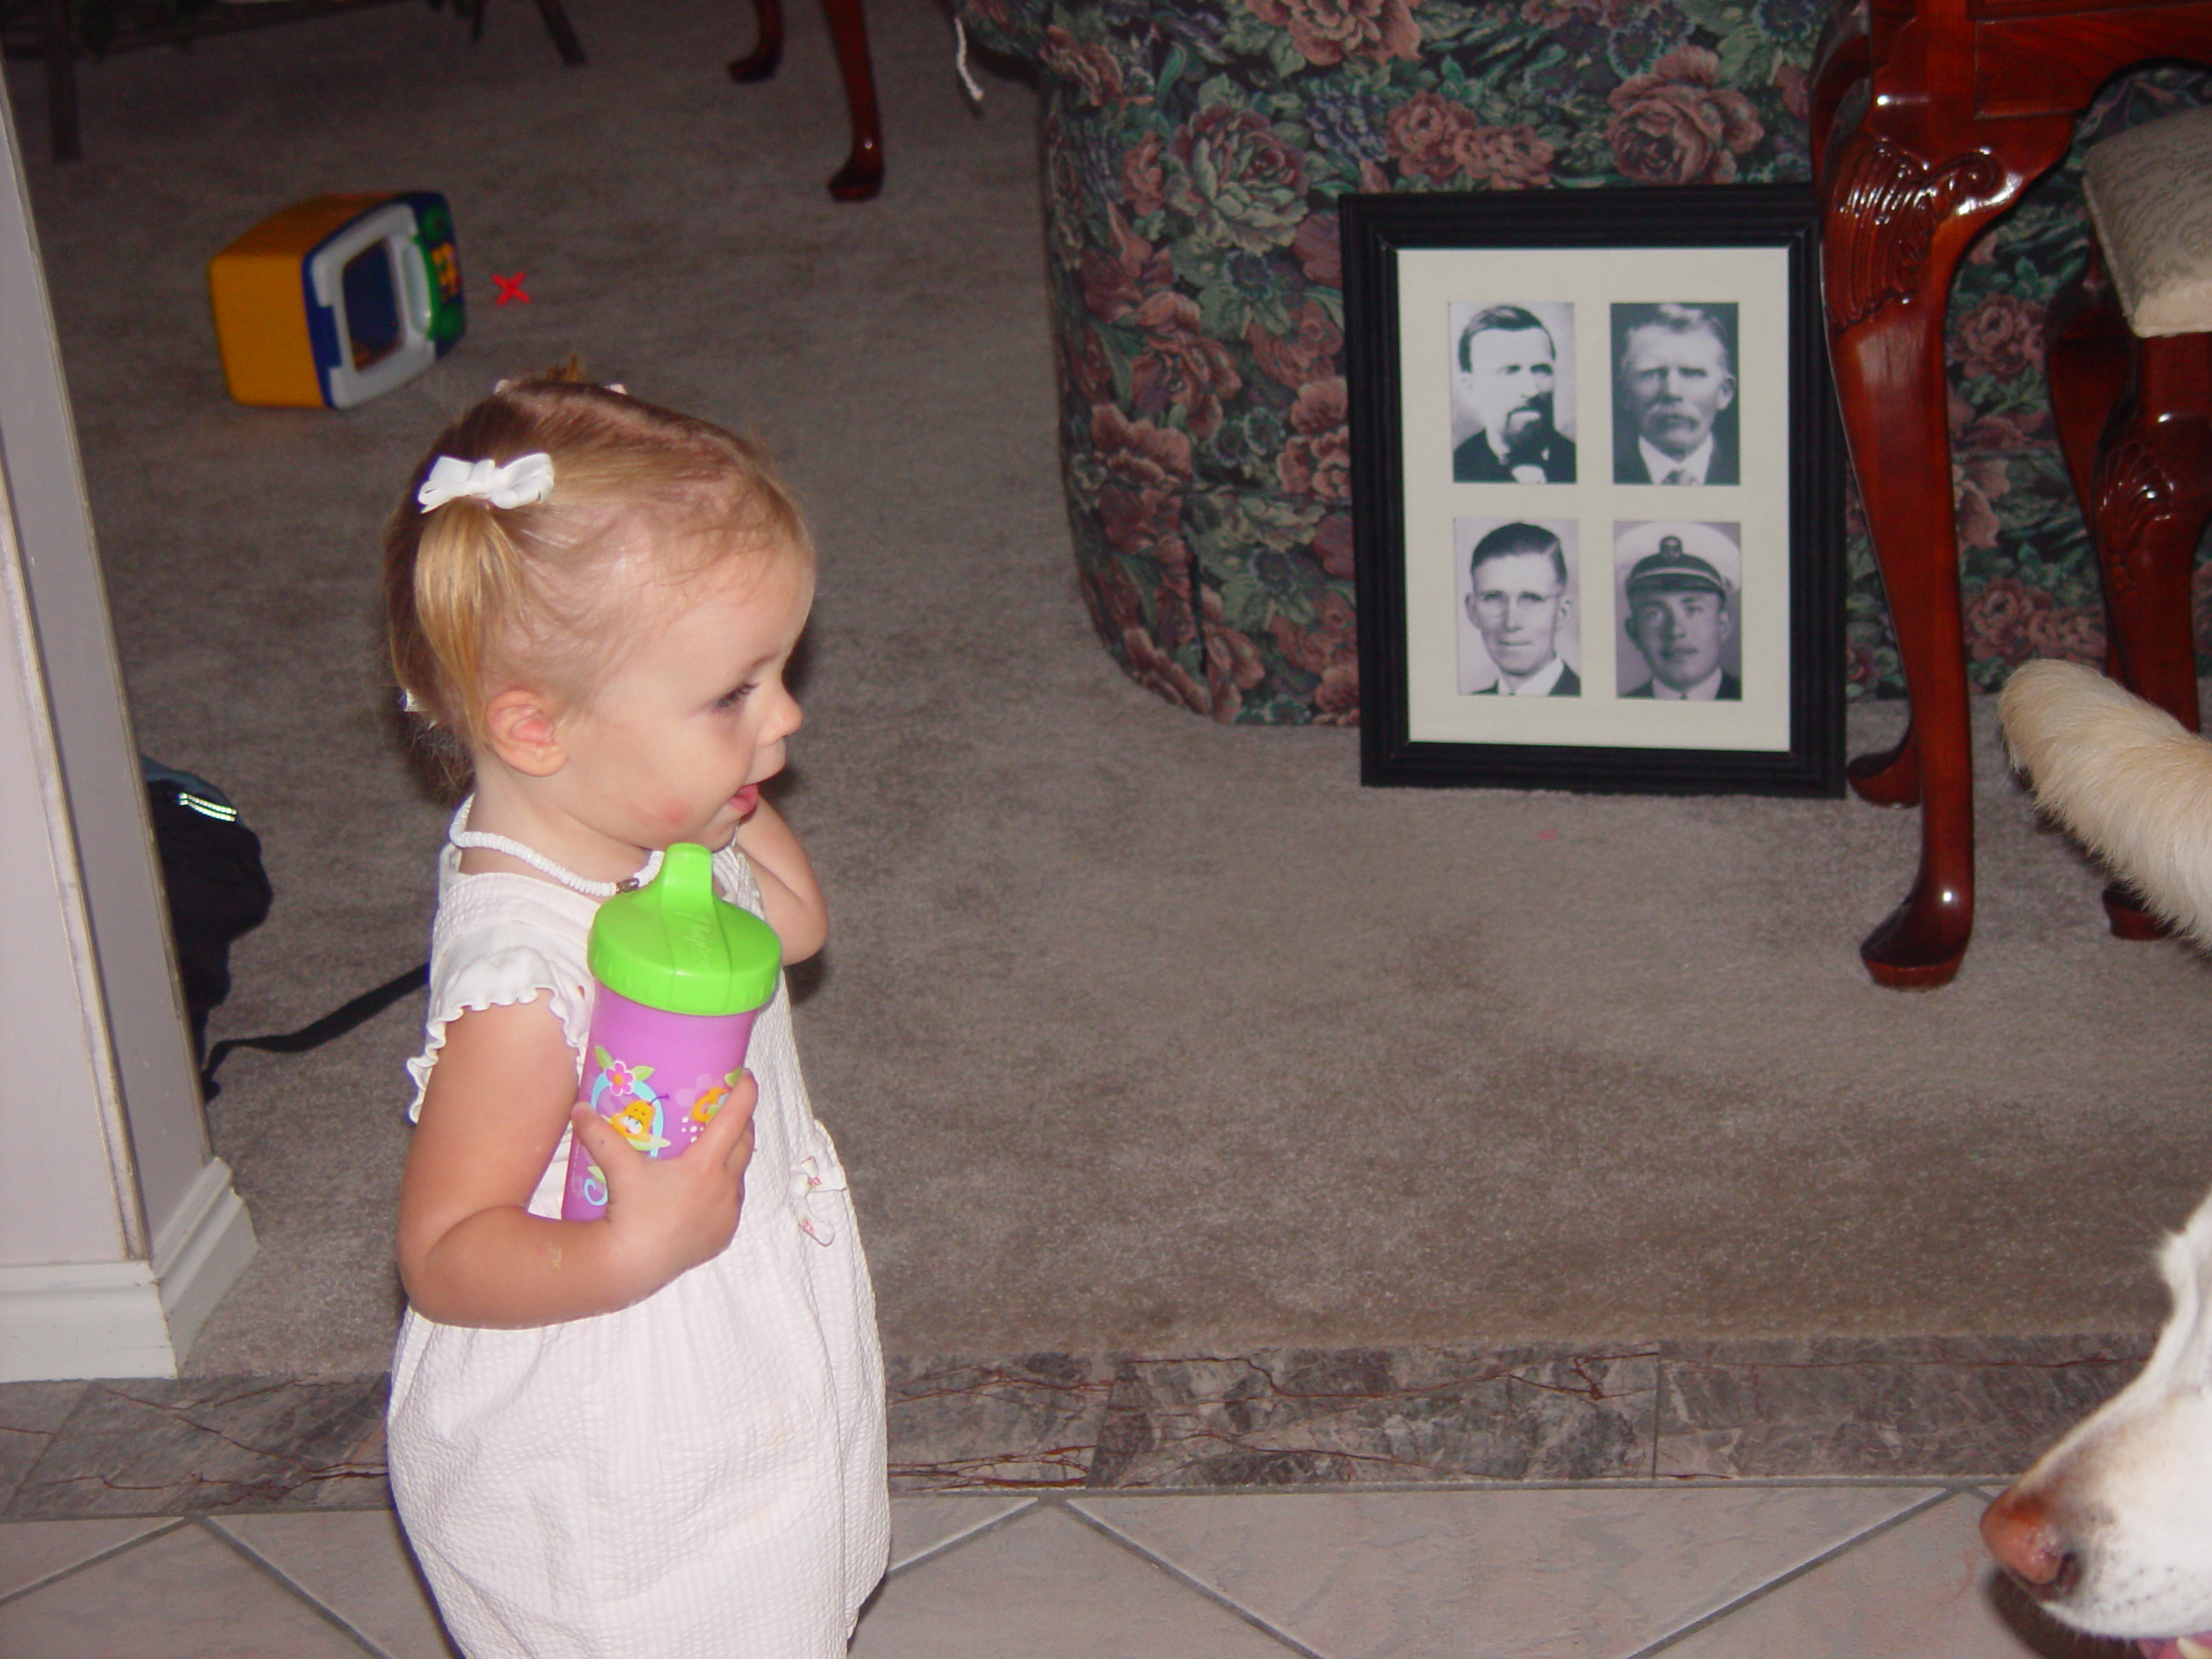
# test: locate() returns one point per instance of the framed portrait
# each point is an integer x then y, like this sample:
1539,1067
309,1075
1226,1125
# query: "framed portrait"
1597,478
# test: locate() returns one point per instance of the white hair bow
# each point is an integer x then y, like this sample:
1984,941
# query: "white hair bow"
521,482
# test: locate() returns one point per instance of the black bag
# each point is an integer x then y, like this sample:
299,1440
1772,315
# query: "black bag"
217,891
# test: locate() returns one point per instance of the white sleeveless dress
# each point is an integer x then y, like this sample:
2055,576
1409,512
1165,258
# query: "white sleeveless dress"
701,1474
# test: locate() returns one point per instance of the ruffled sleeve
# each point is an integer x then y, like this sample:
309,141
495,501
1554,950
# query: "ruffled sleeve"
501,939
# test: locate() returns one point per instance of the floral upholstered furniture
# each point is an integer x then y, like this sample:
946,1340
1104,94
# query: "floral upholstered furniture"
1193,153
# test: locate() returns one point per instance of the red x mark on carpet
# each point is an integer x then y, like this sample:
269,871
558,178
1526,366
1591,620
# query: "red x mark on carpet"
510,289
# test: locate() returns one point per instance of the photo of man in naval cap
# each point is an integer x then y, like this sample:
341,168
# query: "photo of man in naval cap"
1680,590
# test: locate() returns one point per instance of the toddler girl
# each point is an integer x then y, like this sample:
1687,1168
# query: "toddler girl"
661,1433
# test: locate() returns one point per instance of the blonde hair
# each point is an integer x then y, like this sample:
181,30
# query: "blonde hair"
477,597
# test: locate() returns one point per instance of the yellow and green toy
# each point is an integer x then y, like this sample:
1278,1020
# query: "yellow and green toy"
338,299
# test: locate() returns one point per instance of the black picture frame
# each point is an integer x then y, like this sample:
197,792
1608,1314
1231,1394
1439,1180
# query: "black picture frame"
1452,301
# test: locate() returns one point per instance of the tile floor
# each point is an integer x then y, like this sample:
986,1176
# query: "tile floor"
1714,1501
1736,1571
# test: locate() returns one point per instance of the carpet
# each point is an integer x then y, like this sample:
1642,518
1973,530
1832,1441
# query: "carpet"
1136,1032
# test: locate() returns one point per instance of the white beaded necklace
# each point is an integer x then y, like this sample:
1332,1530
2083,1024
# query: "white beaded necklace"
463,836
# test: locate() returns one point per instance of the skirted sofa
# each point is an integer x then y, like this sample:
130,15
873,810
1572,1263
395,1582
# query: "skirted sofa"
1193,151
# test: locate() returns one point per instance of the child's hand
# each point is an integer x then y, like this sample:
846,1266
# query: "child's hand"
671,1214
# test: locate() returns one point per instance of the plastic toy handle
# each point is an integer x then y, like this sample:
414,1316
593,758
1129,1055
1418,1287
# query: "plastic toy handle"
417,280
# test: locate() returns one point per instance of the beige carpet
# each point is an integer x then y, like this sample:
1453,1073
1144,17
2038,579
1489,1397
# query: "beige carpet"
1135,1032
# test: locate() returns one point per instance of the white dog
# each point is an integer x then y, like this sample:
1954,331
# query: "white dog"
2128,779
2112,1530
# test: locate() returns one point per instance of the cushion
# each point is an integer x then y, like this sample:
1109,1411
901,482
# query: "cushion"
2149,193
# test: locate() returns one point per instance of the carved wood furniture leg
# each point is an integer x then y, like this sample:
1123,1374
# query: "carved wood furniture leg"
768,46
861,176
58,45
2150,498
2087,351
2148,503
564,36
1896,227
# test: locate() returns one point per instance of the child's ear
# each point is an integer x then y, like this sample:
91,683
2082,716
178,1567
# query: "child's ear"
524,734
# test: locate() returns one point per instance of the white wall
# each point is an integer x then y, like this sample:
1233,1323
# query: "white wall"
118,1230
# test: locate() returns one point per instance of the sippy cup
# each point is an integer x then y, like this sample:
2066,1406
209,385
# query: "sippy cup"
681,974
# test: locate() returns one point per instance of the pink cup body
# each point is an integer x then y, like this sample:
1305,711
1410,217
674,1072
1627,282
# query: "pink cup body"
659,1076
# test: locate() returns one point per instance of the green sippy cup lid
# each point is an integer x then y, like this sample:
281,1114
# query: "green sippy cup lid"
673,944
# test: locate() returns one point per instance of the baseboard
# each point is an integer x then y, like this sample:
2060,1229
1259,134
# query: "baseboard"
125,1318
77,1320
200,1251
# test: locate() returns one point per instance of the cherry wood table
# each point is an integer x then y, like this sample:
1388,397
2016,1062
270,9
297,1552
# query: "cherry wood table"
862,176
1929,120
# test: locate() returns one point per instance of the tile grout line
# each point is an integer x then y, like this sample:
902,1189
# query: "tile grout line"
162,1528
284,1580
959,1539
1188,1581
1783,1579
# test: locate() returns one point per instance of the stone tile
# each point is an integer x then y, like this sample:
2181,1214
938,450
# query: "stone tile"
158,1448
1922,1588
967,1423
356,1564
1293,1418
34,1550
924,1524
184,1595
30,1415
1931,1406
1505,1574
1047,1584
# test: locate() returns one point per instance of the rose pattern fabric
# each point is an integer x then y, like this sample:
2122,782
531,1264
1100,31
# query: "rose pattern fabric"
1194,155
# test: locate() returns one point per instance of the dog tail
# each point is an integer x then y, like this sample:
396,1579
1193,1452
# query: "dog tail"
2129,780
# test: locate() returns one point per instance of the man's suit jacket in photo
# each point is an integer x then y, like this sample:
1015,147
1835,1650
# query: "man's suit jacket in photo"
1732,689
1475,462
1570,685
1724,467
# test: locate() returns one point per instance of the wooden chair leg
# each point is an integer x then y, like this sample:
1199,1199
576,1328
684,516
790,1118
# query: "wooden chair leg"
2147,506
861,176
768,48
2088,353
58,45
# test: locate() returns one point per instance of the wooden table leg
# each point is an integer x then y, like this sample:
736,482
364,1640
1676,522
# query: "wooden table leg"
1896,226
767,50
861,176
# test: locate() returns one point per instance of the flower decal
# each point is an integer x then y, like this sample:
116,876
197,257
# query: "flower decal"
1241,183
1317,460
2002,336
1329,31
1678,124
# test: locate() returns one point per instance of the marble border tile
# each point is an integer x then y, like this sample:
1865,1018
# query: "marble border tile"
964,1424
1300,1417
1915,1408
1921,1406
31,1413
154,1446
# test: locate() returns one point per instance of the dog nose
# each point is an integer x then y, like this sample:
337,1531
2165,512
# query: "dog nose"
2029,1545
